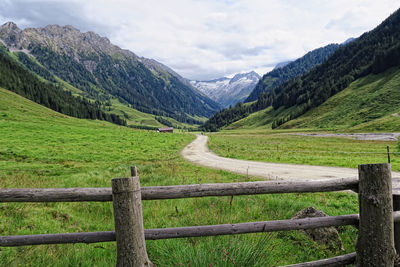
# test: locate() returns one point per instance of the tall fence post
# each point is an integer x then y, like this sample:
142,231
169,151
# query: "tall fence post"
375,245
129,230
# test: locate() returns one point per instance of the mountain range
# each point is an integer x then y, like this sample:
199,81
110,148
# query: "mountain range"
91,66
228,91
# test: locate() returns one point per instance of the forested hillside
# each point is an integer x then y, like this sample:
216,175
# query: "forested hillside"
16,78
372,53
371,103
104,71
293,69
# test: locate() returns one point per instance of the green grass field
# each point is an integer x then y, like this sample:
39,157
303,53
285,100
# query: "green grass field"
287,147
43,149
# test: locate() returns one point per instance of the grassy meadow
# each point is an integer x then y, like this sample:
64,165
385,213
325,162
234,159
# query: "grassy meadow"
287,147
43,149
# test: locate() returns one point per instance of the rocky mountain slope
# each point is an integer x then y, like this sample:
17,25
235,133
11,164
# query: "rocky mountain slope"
228,91
103,71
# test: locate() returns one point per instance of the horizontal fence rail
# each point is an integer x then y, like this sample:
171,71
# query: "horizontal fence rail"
180,191
341,260
180,232
191,231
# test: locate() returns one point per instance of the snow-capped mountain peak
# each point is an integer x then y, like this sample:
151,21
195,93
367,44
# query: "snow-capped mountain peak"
228,91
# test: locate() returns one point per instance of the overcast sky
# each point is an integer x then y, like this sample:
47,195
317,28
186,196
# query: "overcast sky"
205,39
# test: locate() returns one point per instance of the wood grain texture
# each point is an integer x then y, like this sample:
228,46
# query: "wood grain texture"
375,244
128,218
179,191
94,237
341,260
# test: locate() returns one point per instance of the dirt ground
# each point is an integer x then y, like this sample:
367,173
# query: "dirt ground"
198,153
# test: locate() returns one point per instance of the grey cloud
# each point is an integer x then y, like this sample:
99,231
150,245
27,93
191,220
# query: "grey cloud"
233,51
42,13
347,23
198,72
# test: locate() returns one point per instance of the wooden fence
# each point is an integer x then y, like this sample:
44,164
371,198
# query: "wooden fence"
375,246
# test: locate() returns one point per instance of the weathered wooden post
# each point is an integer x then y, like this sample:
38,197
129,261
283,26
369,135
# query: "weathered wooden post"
134,171
129,230
375,245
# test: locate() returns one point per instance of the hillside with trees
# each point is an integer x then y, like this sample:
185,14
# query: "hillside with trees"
18,79
294,69
372,53
103,71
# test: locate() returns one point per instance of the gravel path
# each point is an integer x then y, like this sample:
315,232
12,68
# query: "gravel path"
198,153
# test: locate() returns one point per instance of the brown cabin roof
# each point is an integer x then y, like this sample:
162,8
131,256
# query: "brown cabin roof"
165,129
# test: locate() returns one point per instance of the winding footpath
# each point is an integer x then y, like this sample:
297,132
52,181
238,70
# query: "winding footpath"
198,153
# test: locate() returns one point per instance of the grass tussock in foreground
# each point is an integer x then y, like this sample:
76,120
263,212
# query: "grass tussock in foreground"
43,149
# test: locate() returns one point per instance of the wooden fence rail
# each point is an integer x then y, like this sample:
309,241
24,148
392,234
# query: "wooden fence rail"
341,260
179,191
191,231
126,195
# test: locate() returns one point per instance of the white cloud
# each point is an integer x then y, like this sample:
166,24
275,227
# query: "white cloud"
204,39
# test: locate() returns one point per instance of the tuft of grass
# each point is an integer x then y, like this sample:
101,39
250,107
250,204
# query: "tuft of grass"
258,250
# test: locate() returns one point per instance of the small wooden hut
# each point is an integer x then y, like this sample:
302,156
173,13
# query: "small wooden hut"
166,130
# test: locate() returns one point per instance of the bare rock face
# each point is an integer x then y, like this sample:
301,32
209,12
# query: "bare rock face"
13,36
327,236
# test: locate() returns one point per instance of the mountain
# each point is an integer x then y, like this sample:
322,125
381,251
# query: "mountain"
281,64
285,72
103,71
355,88
228,91
349,40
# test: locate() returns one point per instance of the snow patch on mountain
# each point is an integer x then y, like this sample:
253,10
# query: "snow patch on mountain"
228,91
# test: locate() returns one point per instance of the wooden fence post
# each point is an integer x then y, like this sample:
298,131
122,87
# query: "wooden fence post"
375,245
129,231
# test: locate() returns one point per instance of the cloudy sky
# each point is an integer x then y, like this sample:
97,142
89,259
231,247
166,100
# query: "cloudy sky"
205,39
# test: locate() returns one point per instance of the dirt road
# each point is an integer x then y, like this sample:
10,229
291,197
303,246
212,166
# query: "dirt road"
198,153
